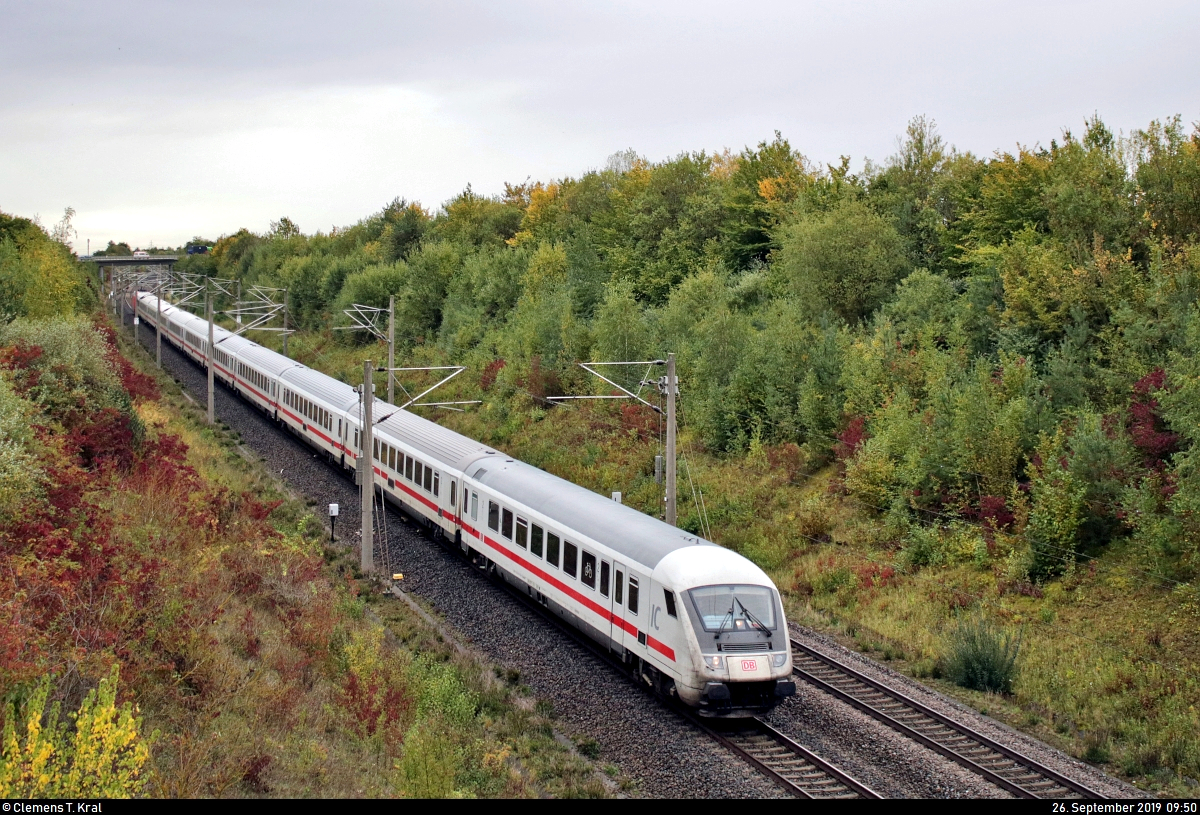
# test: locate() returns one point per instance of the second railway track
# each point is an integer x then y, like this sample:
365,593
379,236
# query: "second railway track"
1003,766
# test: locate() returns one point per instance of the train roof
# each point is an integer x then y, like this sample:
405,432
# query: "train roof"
439,443
337,394
266,360
231,343
635,535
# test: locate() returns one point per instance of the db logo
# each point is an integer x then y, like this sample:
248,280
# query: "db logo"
749,664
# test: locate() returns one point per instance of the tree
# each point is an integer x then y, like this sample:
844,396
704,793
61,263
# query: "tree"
63,231
405,224
285,227
762,182
846,261
1168,176
121,249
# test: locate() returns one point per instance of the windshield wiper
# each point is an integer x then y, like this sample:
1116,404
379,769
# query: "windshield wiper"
721,628
752,618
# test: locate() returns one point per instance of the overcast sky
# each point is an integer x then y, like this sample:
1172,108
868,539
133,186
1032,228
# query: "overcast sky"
158,121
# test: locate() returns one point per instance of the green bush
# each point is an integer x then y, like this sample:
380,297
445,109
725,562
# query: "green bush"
981,656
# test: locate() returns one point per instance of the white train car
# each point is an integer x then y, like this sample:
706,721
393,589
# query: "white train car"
693,620
315,407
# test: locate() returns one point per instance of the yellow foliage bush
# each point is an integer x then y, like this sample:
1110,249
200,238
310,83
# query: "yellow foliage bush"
102,758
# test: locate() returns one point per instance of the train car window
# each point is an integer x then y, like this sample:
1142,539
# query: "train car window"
392,458
535,541
408,468
604,577
474,505
428,478
506,519
356,438
493,516
453,490
376,446
588,575
437,477
522,533
570,558
669,596
633,594
552,548
619,588
417,472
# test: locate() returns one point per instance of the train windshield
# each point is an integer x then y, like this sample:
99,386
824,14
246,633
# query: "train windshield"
735,608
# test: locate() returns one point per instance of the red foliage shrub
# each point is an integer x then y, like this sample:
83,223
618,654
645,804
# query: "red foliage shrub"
640,419
541,383
871,575
787,458
139,386
488,377
374,708
252,776
107,439
851,438
257,510
1147,430
21,359
1023,587
250,633
994,512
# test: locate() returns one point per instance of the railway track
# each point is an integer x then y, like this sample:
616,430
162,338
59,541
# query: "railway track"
1003,766
793,767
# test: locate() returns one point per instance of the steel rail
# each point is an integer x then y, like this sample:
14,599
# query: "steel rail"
793,767
1003,766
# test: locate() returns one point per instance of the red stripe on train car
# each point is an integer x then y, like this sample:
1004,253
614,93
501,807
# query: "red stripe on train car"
587,602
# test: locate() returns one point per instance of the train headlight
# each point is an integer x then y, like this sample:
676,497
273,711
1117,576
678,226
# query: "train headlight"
779,660
714,662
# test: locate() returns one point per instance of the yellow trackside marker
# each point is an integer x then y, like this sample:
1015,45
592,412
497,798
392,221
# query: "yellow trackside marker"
397,576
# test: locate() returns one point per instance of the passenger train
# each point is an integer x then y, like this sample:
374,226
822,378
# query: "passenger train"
691,619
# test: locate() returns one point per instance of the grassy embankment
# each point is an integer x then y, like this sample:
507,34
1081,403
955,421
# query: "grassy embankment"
1108,653
145,549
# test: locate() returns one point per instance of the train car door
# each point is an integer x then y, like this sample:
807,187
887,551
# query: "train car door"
620,576
637,601
457,506
605,586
